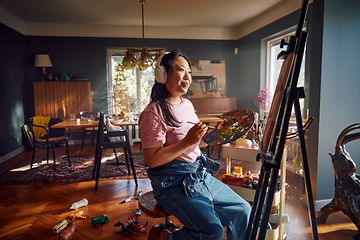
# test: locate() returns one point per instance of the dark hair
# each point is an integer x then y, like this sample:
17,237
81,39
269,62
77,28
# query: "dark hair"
159,93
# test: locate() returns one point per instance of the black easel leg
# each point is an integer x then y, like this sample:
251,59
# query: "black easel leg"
306,169
256,209
269,200
255,205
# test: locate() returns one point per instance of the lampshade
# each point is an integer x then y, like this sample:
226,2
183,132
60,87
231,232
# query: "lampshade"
42,60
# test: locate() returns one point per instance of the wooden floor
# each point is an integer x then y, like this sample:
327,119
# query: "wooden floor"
29,211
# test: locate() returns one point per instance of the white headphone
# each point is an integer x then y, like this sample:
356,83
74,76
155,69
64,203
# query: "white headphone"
160,71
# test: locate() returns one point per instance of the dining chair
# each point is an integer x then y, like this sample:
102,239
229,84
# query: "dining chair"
89,131
51,139
103,142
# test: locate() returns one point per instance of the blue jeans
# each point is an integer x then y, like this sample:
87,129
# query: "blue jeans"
202,203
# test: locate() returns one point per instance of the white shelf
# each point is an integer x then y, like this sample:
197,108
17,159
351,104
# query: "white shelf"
246,153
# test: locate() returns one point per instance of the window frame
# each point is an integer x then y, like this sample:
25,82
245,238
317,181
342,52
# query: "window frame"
110,93
272,41
109,81
267,44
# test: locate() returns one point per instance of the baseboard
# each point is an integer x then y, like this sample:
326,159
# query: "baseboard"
11,154
321,203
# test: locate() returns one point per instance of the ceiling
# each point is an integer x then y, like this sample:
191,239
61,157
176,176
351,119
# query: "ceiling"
199,19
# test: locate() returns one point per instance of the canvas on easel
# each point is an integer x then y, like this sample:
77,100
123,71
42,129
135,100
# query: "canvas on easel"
276,102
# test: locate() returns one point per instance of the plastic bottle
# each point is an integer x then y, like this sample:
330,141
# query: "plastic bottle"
83,202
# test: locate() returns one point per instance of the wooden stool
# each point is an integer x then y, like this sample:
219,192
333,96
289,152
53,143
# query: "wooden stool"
148,204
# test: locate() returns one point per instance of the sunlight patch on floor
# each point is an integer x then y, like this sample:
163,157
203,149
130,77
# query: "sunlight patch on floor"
16,228
328,228
111,157
35,165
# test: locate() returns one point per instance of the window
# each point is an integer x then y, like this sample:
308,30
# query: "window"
273,67
128,90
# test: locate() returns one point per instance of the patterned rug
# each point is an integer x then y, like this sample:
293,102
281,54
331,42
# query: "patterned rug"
81,169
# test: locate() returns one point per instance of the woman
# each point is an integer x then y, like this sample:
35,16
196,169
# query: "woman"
170,143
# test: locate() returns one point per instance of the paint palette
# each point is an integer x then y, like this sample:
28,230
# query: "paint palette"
235,124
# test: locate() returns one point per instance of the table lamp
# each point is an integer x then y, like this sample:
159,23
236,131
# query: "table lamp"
43,60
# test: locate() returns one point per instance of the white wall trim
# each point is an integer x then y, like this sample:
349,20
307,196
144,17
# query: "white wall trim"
90,30
321,203
276,12
11,154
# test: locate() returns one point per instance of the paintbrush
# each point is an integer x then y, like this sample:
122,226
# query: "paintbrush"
196,123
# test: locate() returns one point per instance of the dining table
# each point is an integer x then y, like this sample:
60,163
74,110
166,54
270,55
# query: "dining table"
74,124
125,123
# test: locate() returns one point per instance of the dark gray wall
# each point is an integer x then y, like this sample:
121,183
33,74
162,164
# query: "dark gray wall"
87,56
340,85
12,49
248,66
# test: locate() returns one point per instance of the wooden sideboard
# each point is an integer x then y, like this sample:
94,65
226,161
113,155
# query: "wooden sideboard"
59,99
213,106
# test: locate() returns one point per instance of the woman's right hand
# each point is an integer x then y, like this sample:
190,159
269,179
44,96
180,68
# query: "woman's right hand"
161,155
195,133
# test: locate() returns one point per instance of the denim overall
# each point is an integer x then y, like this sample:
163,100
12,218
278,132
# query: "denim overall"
202,203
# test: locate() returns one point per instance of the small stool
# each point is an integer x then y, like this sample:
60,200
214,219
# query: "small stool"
148,204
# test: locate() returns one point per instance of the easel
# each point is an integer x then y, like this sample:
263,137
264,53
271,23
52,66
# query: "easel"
272,146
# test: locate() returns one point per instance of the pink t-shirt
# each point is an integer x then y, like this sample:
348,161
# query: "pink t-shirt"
154,131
